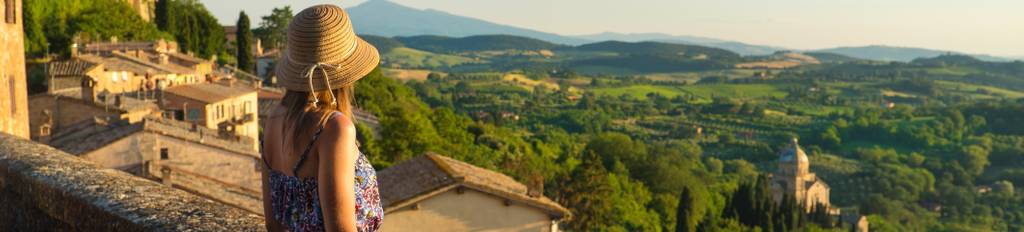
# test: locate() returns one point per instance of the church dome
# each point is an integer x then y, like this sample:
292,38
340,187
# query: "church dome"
793,154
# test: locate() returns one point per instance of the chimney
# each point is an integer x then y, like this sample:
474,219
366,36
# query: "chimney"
164,59
257,84
231,82
74,50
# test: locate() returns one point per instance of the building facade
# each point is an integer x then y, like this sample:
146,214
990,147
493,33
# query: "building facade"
228,108
178,154
794,178
437,193
13,88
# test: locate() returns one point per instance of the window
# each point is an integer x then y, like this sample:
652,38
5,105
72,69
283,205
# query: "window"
9,10
164,153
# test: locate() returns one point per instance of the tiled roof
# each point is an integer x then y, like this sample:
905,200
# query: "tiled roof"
167,68
91,135
793,153
117,64
69,68
210,93
191,59
431,174
119,46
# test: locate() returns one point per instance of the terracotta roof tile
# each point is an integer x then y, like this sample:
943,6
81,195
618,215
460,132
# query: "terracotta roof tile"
90,135
209,93
70,68
432,173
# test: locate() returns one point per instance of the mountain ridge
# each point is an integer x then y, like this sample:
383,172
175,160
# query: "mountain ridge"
377,17
380,17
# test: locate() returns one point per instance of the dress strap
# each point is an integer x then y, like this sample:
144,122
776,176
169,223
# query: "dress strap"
305,153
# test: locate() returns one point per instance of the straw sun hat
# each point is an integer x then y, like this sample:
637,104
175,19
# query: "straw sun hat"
323,52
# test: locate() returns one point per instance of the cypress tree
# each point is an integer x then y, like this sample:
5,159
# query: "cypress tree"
684,212
163,18
243,43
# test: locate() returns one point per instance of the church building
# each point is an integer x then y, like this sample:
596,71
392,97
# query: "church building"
794,178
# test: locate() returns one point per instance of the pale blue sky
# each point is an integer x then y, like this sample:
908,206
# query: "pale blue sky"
993,27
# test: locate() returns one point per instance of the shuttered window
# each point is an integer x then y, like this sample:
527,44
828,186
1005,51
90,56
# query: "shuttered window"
9,11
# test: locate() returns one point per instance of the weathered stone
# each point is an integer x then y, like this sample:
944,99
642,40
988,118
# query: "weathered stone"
42,188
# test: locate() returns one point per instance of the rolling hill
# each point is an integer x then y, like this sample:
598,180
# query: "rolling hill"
445,44
385,18
904,54
737,47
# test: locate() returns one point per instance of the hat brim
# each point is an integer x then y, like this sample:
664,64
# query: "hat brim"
362,61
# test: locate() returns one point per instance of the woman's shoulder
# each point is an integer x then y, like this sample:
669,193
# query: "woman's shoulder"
341,123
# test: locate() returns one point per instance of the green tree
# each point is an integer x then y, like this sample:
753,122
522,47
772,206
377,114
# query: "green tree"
587,194
686,220
243,44
162,15
273,30
195,29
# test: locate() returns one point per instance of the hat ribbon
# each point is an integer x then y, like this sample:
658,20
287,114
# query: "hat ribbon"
309,75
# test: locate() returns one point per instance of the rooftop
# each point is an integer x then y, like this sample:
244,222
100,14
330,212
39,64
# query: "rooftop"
116,64
431,174
90,135
69,68
793,154
210,93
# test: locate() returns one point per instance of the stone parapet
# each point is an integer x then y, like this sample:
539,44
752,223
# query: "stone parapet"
44,189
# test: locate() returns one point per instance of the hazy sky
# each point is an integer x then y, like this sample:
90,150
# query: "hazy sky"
993,27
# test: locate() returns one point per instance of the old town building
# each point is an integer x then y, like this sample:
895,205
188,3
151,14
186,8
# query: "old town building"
179,154
437,193
229,108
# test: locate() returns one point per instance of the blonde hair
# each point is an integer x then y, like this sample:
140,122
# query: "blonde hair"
299,106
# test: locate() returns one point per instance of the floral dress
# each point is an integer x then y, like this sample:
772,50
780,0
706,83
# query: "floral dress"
296,202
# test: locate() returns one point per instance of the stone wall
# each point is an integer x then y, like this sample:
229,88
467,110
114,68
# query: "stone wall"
13,89
43,189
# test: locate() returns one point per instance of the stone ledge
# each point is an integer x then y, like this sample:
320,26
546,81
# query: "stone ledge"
42,188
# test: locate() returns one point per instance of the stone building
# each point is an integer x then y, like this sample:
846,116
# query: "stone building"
437,193
51,113
178,154
228,108
13,88
794,178
100,70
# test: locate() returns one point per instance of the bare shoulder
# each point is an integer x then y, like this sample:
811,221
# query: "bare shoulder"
341,125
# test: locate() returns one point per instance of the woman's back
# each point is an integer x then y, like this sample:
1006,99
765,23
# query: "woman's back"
293,164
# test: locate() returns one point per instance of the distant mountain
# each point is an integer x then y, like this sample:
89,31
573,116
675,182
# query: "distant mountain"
385,18
660,48
444,44
738,47
651,57
904,54
948,60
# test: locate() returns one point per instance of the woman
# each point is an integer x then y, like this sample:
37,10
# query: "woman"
315,178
